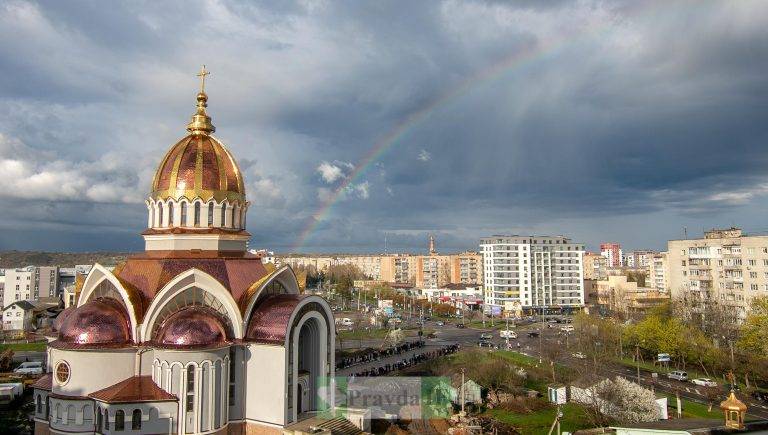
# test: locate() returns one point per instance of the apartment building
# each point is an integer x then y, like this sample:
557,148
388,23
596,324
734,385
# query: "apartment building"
638,259
467,268
30,283
656,274
726,265
595,266
532,272
619,296
614,254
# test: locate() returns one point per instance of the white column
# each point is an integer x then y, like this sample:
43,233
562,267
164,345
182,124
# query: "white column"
198,397
211,396
217,216
150,214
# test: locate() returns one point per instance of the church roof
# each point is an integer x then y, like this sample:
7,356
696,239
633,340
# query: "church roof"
133,389
147,273
269,321
44,383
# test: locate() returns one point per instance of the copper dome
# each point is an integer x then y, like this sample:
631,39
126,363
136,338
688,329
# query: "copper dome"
59,320
97,322
198,166
193,326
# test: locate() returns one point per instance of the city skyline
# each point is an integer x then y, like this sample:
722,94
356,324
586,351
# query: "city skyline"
350,130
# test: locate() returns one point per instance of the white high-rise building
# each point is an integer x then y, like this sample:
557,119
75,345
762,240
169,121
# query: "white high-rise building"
30,283
532,272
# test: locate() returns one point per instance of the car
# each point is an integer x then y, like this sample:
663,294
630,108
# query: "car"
679,375
533,334
579,355
566,328
485,343
440,323
729,387
704,382
461,325
486,336
506,333
30,368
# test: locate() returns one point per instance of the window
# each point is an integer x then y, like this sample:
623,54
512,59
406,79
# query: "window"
170,214
210,214
197,214
99,420
183,214
136,419
232,353
62,372
190,388
39,404
159,215
106,419
224,214
120,420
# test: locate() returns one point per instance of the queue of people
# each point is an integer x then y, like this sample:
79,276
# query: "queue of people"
370,355
418,358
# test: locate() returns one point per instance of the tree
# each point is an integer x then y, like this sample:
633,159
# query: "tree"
626,401
754,330
496,375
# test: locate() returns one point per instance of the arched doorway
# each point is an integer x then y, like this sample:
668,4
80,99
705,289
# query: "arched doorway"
309,365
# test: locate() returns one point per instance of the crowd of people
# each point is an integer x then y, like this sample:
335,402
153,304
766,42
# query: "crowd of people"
369,355
414,359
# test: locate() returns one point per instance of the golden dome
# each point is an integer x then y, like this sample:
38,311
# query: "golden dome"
732,403
198,166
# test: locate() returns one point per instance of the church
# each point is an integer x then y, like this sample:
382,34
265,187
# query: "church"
194,335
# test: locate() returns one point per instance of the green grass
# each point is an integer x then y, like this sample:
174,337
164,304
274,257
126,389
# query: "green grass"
539,422
21,347
694,409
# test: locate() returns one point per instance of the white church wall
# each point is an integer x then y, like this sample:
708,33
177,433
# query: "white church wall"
154,417
265,384
113,366
71,415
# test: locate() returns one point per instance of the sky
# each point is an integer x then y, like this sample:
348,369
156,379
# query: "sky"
357,122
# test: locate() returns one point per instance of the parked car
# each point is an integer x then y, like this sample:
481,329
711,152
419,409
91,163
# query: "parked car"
440,323
506,333
533,334
486,336
485,343
30,368
704,382
679,375
566,328
579,355
729,387
461,325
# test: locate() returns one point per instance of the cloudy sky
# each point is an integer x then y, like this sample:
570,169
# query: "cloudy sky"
622,121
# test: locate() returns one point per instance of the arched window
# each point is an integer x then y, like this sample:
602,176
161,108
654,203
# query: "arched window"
106,419
159,214
99,420
210,214
39,404
232,356
190,388
170,214
47,408
242,222
183,214
136,419
197,214
120,420
58,411
223,215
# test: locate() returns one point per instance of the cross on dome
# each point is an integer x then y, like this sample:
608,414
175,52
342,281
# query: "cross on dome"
202,75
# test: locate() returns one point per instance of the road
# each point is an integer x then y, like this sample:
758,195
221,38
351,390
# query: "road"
687,390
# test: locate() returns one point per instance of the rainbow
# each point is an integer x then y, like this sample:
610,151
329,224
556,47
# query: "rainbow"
518,59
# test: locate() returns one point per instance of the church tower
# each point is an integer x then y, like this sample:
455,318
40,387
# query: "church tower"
198,199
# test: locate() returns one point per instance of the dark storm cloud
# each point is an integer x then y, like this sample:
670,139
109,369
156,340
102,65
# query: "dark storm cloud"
624,120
